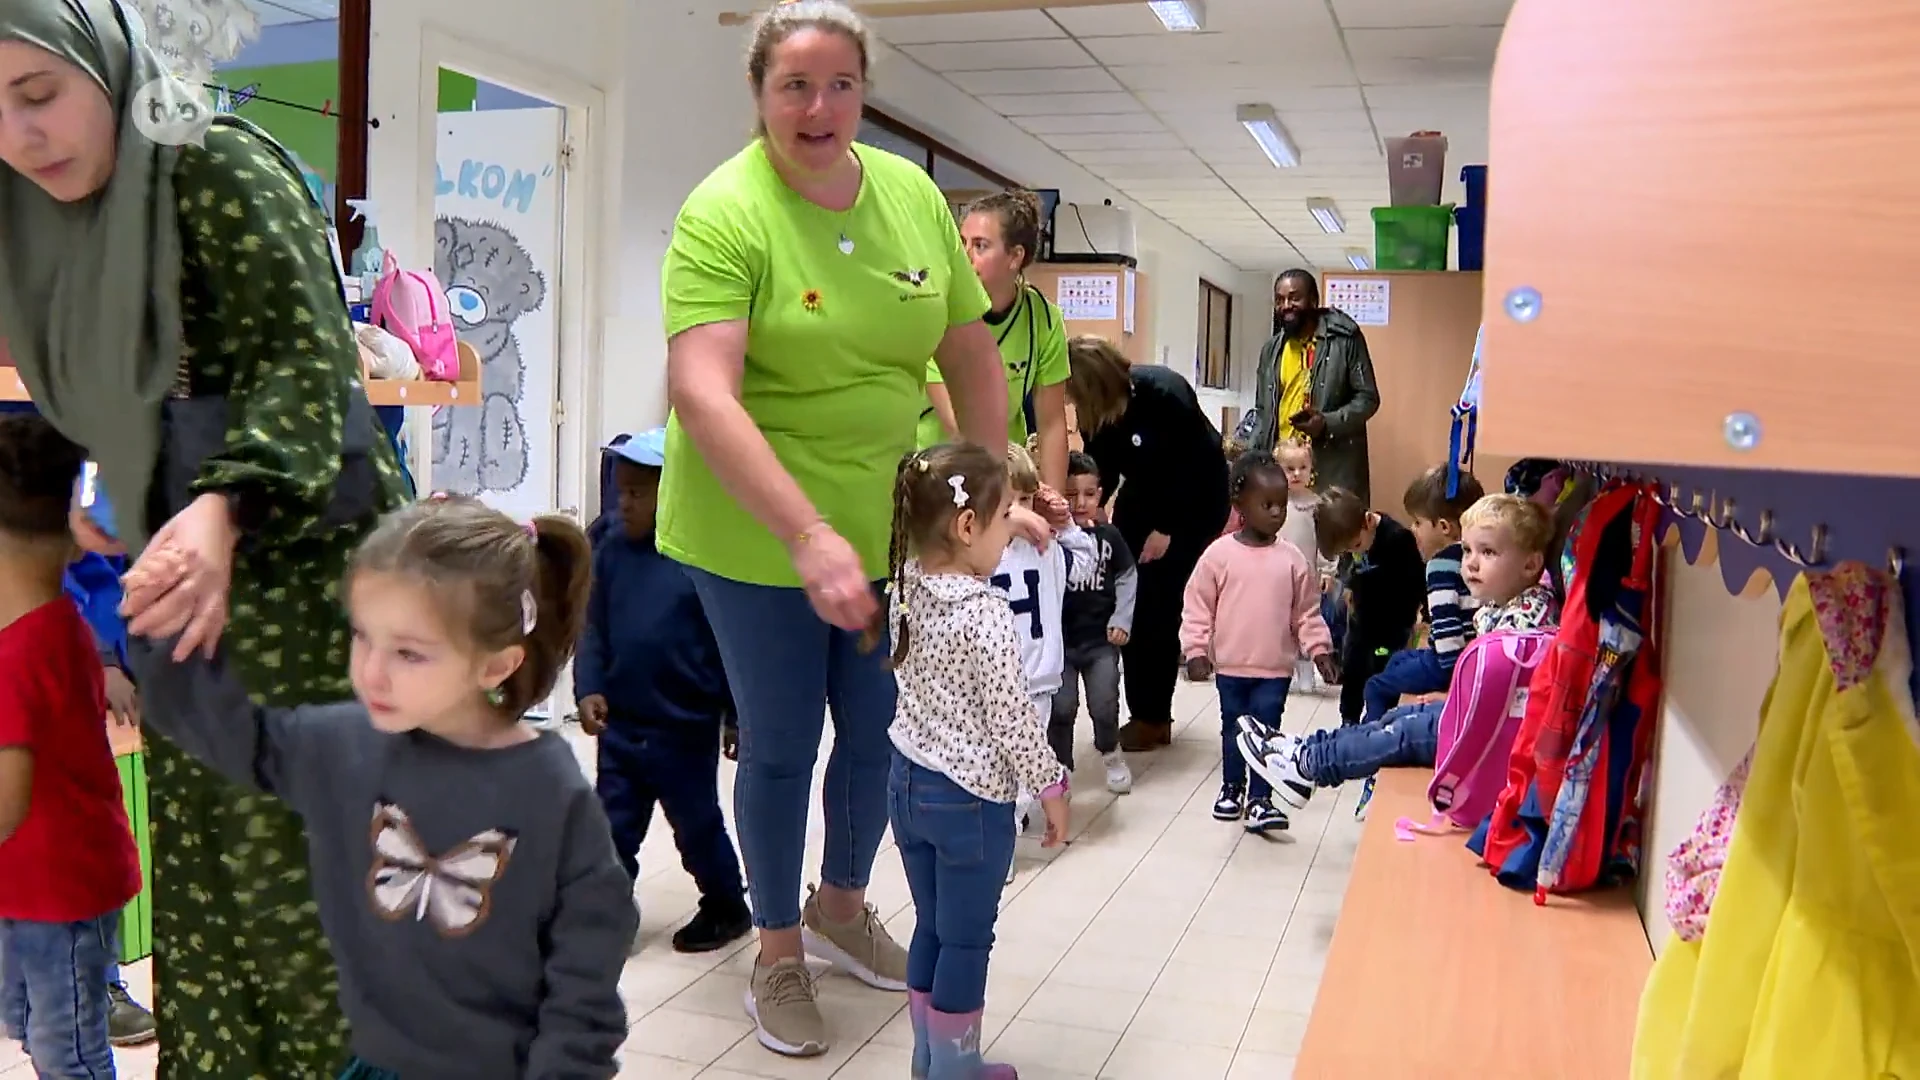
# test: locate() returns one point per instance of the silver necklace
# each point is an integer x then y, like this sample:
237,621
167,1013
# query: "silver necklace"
846,244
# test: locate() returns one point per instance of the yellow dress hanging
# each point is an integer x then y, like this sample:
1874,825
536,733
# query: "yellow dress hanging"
1810,966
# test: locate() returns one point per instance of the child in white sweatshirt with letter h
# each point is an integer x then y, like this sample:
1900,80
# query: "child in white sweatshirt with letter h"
1035,583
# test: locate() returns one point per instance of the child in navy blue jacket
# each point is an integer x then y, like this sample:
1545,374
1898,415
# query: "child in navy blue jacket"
650,685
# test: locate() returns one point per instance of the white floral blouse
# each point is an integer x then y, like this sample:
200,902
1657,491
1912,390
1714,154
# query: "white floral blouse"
964,710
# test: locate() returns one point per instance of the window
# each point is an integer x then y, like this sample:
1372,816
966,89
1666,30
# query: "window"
951,169
1216,337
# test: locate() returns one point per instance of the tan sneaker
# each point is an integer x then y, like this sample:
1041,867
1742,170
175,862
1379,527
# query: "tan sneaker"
861,947
786,1018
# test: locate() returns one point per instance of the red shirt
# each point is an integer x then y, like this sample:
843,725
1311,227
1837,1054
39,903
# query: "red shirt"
73,856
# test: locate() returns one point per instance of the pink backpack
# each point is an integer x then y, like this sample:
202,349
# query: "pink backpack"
412,306
1485,704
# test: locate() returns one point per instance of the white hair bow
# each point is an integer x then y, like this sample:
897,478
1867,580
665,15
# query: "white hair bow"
959,485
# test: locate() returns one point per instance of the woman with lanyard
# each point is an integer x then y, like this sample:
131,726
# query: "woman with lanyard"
1002,234
176,311
807,281
1145,426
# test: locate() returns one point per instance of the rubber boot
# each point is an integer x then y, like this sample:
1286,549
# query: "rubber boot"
918,1002
954,1044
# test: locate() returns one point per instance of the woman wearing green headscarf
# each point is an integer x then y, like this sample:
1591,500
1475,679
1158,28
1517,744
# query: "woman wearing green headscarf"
175,310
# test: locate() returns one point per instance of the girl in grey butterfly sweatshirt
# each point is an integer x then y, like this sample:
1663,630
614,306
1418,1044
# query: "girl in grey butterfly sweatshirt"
463,868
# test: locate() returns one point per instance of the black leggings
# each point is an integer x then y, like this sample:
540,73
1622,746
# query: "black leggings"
1152,653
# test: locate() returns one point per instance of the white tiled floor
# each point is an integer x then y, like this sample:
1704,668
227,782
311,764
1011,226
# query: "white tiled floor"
1159,943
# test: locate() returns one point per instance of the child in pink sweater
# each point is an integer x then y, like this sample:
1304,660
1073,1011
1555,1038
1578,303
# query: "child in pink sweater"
1232,628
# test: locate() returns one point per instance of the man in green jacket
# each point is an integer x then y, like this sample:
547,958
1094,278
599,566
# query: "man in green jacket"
1315,382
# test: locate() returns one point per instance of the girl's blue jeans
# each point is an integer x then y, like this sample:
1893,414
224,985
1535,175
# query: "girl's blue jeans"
1264,700
788,670
956,848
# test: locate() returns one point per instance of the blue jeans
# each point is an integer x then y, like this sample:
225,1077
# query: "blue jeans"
53,994
1409,735
1409,671
360,1070
1262,699
956,848
787,669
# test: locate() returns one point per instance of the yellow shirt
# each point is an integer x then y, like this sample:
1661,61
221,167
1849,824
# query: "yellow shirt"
1294,370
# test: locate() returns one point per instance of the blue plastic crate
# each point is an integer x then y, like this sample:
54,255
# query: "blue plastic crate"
1471,221
1475,178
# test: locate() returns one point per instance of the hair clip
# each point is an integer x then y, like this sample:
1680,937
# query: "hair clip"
920,461
529,613
440,496
533,531
959,485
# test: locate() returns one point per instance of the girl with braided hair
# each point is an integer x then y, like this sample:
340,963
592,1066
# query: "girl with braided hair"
967,738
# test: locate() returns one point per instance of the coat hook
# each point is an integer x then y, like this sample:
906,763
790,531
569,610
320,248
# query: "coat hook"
1725,516
1761,537
1697,509
1897,562
1816,553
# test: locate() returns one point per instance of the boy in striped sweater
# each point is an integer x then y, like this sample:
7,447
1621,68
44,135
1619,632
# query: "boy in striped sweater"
1435,521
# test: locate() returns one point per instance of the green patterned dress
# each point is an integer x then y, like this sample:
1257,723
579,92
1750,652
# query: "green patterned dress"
246,989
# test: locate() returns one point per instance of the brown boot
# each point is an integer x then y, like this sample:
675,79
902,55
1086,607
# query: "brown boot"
1139,737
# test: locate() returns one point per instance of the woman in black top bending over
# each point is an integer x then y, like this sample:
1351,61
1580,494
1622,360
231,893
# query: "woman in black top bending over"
1146,429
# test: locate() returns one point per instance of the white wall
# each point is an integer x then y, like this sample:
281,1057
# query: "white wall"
676,106
1721,652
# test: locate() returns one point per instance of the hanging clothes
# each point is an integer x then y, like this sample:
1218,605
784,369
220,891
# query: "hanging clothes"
1810,966
1466,421
1570,816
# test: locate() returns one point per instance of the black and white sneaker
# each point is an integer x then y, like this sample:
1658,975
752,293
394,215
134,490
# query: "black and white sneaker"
1231,804
1263,817
1252,726
1277,762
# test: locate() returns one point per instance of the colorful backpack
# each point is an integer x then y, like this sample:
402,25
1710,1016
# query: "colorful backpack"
1571,814
1485,704
412,306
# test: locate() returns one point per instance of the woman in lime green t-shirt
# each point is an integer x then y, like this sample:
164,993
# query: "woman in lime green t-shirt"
807,281
1002,234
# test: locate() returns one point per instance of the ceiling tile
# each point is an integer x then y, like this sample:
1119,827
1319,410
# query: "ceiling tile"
1061,104
996,26
1106,159
1366,13
1257,77
1313,56
1426,43
1049,53
1114,140
1078,80
1089,125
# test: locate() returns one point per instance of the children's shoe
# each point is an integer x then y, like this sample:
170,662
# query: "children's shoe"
1119,775
953,1042
128,1022
1252,726
1263,817
1278,763
918,1002
1366,796
715,926
1231,804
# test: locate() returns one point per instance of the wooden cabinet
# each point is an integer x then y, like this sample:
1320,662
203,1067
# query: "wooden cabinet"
1703,243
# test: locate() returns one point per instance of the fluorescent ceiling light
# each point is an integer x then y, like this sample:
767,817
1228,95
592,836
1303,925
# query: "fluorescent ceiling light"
1358,259
1179,14
1327,214
1264,125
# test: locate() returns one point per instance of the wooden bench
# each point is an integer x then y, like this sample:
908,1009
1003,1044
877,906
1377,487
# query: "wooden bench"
1436,971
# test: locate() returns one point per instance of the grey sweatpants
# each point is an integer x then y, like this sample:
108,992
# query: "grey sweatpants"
1099,668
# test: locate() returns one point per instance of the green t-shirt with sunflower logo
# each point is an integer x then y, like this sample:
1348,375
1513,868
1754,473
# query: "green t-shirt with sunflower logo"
1033,346
842,311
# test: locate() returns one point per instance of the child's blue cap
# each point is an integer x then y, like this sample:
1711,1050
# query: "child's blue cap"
648,448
